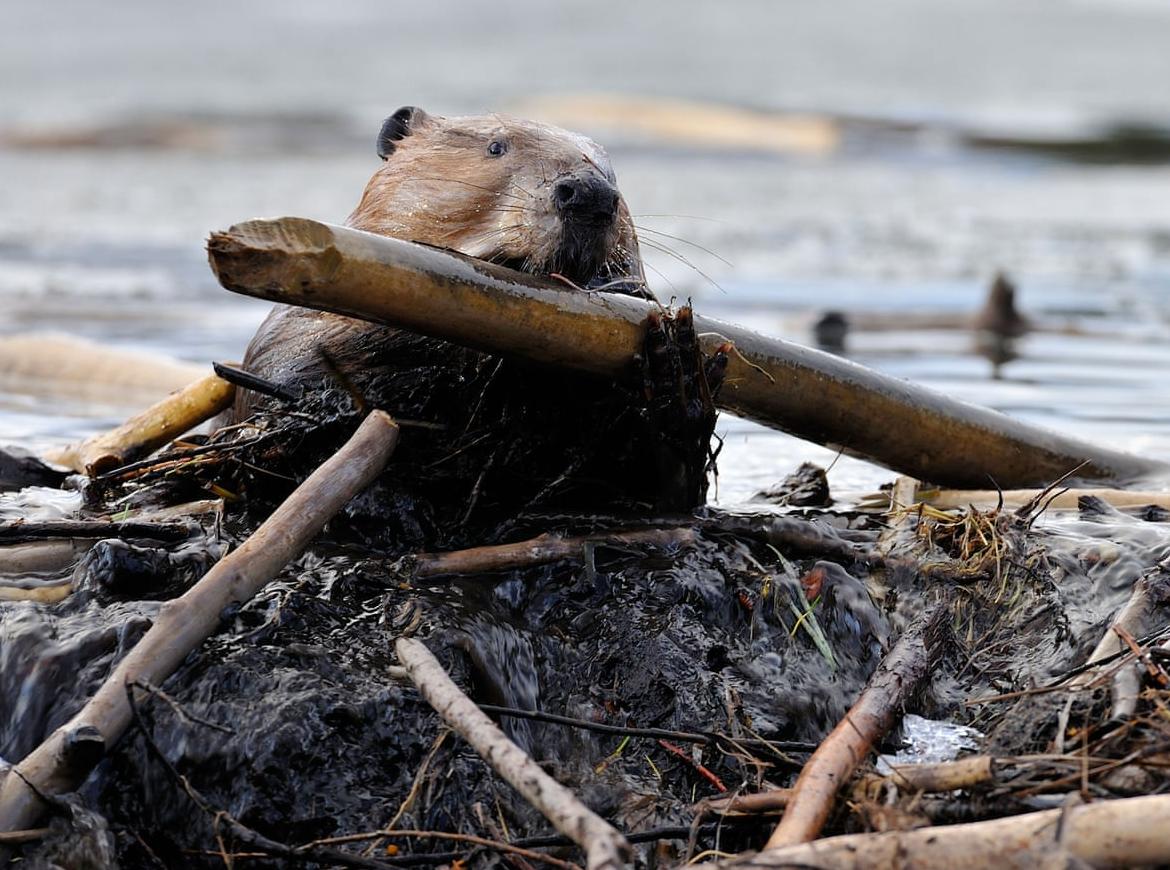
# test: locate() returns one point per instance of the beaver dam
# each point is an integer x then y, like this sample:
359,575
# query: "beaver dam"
334,634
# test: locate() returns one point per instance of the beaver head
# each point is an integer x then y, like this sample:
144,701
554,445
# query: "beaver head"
527,195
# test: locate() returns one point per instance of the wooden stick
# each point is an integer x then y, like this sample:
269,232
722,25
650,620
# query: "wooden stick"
944,775
1116,833
772,800
42,593
64,759
544,548
40,557
814,395
24,530
154,427
985,499
827,769
901,531
793,535
603,845
12,838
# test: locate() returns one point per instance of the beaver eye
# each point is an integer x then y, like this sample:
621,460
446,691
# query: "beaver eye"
497,148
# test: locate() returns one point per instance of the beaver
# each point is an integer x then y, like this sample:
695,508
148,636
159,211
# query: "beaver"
495,437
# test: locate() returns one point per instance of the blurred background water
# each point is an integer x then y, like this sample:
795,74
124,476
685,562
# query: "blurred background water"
892,158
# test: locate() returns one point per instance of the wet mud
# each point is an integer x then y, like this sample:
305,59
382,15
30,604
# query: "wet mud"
291,720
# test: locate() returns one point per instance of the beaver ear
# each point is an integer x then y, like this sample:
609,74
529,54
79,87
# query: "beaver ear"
399,126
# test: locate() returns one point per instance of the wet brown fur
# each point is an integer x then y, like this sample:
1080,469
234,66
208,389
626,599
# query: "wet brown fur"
441,187
502,437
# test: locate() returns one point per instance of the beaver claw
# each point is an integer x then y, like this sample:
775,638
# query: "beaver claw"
679,386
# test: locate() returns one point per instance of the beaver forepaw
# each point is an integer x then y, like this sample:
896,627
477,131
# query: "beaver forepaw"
679,386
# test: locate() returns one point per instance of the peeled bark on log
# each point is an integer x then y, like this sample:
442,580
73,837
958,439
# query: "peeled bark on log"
62,762
604,846
154,427
944,775
827,769
986,499
814,395
540,550
1117,833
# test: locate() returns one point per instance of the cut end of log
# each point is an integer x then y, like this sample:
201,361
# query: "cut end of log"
273,253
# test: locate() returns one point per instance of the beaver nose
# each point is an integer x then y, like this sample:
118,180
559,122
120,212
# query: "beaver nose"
585,197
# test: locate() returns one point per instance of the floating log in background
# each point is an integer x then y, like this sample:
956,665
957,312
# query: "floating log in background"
814,395
61,763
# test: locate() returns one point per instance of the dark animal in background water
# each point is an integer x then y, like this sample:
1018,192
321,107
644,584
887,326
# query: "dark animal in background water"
999,315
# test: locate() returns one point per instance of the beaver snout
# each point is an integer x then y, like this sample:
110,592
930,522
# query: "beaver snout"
585,197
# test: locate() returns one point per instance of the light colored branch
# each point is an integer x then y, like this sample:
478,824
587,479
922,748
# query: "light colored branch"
944,775
145,432
1117,833
987,499
772,800
604,846
62,762
42,593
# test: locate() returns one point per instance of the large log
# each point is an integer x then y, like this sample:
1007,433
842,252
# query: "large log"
813,395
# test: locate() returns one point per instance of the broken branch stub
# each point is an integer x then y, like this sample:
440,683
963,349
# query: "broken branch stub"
811,394
63,761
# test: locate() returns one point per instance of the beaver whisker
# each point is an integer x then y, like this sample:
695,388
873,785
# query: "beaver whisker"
619,281
660,274
521,189
507,207
489,235
643,229
466,183
593,163
485,234
657,246
692,217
